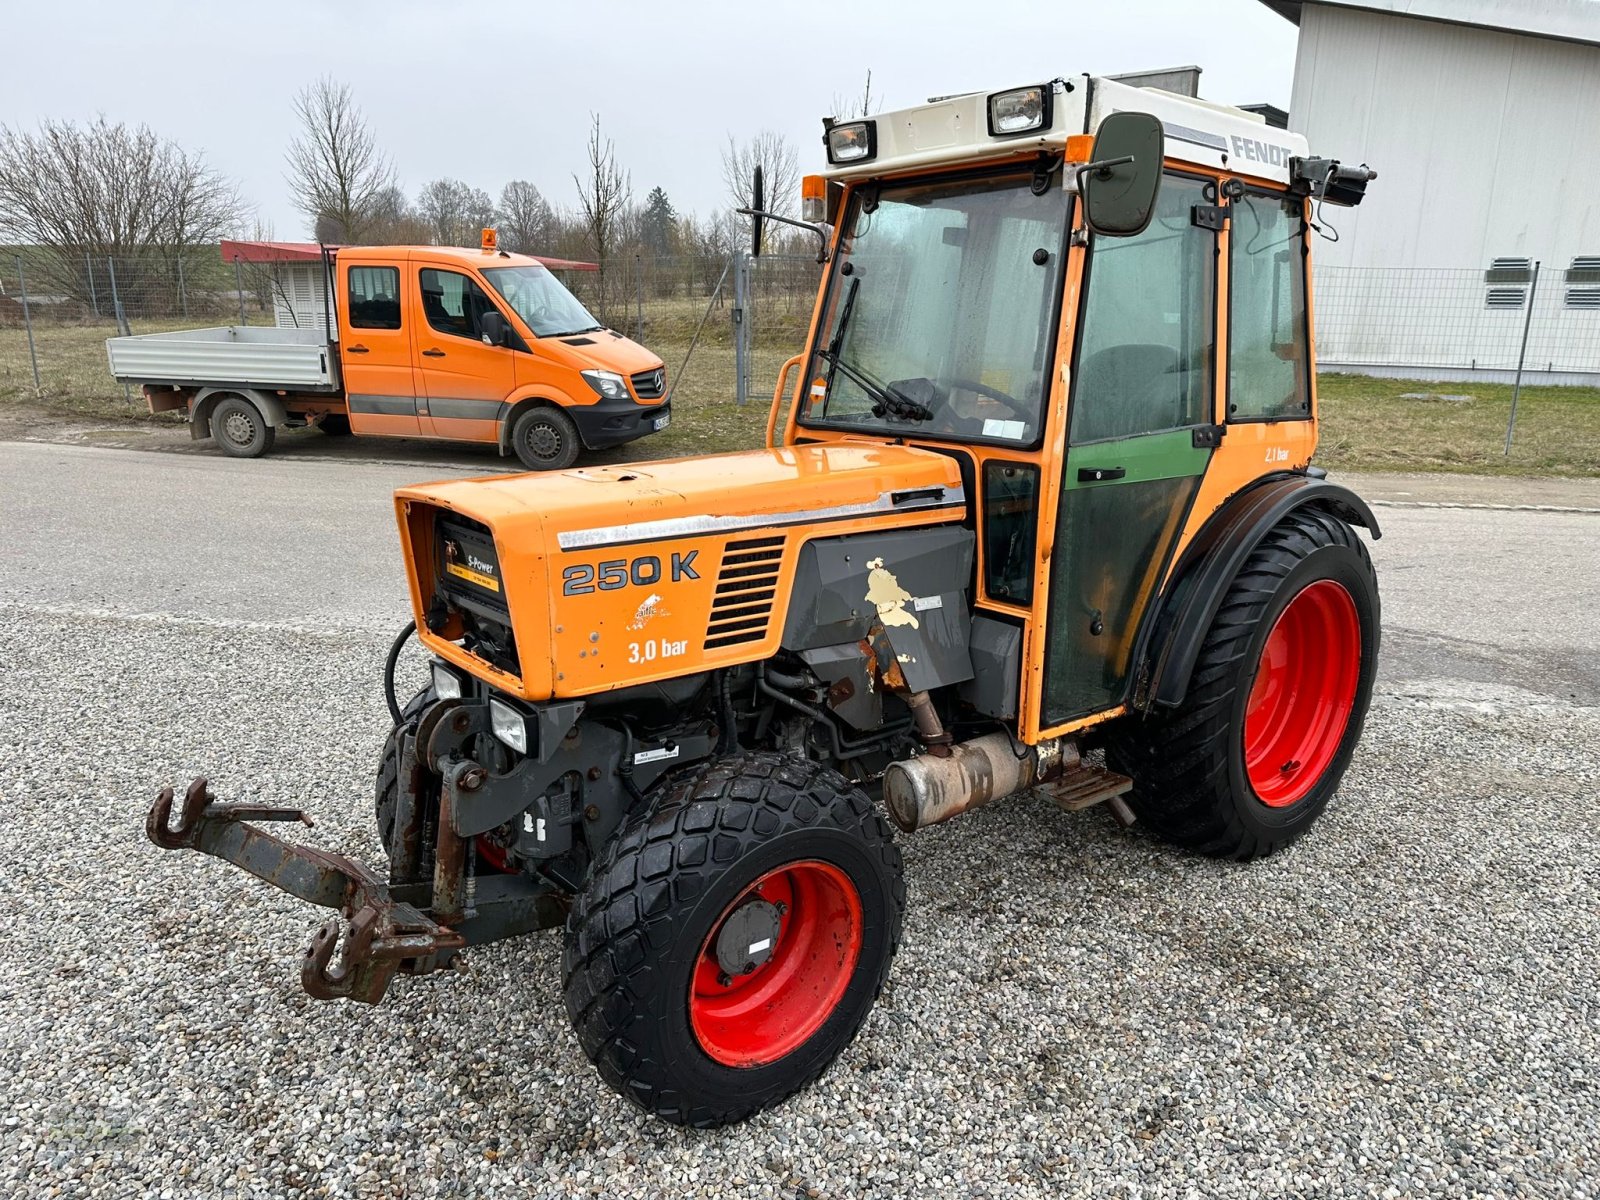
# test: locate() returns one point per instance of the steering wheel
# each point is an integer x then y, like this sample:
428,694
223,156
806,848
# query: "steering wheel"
983,389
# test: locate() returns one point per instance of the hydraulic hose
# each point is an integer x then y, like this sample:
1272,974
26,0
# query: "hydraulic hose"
388,669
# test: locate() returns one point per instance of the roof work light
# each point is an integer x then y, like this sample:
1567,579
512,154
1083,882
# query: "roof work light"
1021,110
856,141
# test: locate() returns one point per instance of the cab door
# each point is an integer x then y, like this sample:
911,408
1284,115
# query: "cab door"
376,352
1140,436
464,380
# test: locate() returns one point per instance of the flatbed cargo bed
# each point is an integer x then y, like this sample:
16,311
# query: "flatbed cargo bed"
267,357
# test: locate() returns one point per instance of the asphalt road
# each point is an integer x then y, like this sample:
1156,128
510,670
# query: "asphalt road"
1406,999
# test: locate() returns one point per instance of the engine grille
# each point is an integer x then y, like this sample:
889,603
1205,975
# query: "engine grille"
746,584
650,385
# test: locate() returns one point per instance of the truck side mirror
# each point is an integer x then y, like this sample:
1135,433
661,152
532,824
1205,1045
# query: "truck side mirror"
492,327
1119,186
758,202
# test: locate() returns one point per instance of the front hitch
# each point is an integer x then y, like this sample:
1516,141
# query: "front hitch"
383,930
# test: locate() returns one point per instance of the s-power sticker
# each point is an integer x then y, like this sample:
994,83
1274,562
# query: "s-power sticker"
488,582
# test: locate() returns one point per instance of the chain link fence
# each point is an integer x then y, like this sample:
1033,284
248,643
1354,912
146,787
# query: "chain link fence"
55,316
1537,321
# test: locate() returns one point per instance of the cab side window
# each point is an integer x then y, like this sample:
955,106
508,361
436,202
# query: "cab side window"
1267,359
374,298
454,303
1146,340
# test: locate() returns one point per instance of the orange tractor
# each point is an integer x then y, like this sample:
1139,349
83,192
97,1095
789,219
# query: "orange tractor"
1036,515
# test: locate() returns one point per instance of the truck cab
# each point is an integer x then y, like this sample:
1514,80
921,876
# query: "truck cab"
444,342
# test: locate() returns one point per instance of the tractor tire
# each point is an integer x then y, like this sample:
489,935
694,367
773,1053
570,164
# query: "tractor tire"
386,798
545,439
1276,704
732,937
240,430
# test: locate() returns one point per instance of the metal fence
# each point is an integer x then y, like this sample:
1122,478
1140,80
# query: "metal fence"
740,317
1531,322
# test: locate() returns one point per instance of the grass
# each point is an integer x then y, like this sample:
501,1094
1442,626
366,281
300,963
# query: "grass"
1367,423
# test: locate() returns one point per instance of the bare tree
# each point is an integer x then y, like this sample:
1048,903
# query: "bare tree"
849,108
604,199
455,214
336,171
525,218
105,190
780,169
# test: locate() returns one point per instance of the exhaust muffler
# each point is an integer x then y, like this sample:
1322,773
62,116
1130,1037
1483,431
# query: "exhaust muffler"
926,790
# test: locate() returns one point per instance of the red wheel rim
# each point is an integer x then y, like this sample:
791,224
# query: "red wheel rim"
759,1017
1303,694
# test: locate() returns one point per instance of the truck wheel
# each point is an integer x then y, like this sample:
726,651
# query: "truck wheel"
1276,703
240,429
545,439
387,792
732,937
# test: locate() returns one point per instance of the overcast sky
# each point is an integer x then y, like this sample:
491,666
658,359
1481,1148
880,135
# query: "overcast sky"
497,91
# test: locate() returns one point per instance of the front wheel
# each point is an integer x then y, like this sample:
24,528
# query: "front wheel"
545,439
733,937
1276,703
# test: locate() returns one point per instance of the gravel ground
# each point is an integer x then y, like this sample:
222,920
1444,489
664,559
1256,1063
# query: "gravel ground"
1403,1004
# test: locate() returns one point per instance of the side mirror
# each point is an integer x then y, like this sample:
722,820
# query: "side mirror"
758,202
492,326
1119,187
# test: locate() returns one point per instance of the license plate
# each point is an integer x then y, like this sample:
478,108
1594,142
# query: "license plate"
661,422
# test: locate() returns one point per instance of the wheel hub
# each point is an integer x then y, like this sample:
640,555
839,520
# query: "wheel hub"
238,428
1303,694
543,441
749,937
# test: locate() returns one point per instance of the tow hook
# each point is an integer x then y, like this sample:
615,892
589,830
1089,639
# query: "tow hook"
382,934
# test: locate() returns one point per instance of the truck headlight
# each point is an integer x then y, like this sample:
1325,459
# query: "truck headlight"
1021,110
509,725
446,683
608,383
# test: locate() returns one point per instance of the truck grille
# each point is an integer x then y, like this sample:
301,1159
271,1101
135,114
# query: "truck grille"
650,385
746,584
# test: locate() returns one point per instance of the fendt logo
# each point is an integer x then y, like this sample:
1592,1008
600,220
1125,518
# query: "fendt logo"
1262,152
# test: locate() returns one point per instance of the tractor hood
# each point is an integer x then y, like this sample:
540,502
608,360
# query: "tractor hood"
578,582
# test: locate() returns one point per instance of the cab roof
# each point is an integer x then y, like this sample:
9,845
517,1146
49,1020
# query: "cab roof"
951,130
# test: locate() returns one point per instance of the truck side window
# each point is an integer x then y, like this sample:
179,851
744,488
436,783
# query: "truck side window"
1267,377
453,303
1146,342
374,298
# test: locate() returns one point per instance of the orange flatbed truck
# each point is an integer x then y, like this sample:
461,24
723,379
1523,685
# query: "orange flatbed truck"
474,345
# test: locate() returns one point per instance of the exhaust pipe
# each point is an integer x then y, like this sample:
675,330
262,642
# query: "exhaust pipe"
926,790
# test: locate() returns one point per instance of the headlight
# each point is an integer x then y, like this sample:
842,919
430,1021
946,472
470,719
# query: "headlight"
446,683
854,142
1021,110
608,383
509,725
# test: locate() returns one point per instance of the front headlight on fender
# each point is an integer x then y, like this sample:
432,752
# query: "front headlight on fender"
607,383
509,725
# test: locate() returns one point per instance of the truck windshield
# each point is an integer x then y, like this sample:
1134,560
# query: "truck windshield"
538,298
942,311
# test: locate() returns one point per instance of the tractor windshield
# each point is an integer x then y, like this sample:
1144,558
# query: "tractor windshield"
941,314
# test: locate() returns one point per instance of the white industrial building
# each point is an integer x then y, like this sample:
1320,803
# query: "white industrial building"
1482,118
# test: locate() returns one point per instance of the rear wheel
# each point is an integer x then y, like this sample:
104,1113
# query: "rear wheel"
239,428
732,938
1276,703
545,439
386,797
